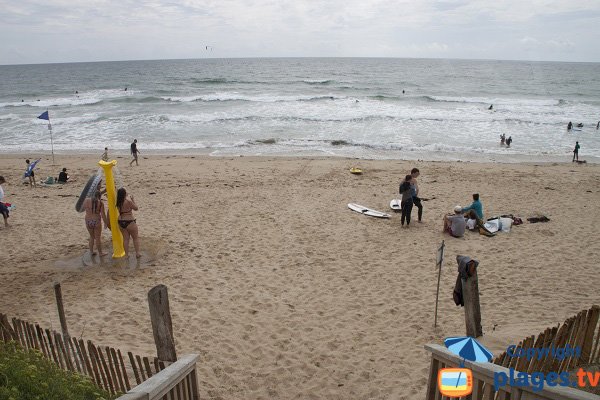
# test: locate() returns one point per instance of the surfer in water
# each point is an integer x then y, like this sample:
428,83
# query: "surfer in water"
508,141
491,107
569,126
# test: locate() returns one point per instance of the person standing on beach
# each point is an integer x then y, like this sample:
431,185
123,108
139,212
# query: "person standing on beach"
416,199
576,152
134,152
31,174
105,154
126,205
94,216
3,207
407,191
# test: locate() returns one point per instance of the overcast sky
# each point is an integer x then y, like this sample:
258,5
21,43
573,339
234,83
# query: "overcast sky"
48,31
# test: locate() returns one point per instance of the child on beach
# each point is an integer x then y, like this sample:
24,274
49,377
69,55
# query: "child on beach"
94,216
31,174
407,190
3,207
127,223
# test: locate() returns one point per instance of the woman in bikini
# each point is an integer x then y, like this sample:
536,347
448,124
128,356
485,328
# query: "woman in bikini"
126,206
94,216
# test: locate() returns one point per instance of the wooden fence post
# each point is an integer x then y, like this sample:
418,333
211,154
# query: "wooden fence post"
61,310
472,309
162,327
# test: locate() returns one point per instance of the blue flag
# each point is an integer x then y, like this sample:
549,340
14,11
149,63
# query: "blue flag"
44,116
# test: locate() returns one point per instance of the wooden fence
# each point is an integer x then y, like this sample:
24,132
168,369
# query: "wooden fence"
483,381
581,330
106,366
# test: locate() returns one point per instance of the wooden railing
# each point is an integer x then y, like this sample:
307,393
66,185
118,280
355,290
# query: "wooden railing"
483,381
175,382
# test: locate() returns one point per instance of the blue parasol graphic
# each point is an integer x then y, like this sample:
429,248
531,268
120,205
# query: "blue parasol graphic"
469,349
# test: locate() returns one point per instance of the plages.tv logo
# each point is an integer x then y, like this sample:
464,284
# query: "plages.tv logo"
455,382
458,382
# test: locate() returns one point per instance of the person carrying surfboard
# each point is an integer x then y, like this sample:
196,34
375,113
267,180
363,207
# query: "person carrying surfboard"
416,199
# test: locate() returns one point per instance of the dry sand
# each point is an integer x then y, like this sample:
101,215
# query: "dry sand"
285,292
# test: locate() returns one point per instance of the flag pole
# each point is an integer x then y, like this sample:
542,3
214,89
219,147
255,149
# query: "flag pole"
51,141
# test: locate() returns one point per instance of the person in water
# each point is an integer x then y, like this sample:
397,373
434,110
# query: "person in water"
94,216
491,107
502,139
569,126
126,205
508,141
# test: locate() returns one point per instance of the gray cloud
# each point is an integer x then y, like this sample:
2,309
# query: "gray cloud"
81,30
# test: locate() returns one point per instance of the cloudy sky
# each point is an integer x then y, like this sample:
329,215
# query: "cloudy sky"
48,31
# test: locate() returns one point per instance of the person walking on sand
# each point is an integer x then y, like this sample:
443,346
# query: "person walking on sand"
134,153
3,207
94,216
416,199
105,154
407,191
127,223
576,152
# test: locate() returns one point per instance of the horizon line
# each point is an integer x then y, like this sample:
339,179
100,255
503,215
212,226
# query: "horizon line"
304,57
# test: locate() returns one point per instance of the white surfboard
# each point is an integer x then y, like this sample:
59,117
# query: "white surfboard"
395,205
367,211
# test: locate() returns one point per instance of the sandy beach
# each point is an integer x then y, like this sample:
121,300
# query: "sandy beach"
286,293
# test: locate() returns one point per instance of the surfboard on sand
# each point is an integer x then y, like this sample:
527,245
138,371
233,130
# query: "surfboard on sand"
367,211
395,205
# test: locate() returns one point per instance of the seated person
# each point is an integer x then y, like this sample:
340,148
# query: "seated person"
63,177
475,206
455,224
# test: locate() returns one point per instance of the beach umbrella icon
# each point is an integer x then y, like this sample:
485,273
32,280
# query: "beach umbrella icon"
468,348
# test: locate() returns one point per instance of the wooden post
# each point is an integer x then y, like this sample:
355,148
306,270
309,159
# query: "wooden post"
61,310
440,261
162,327
470,288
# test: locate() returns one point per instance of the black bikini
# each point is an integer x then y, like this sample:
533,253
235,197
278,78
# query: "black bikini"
124,224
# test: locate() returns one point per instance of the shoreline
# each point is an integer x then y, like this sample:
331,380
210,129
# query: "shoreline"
378,156
281,288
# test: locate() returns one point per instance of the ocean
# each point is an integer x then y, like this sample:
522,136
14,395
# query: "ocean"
430,109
